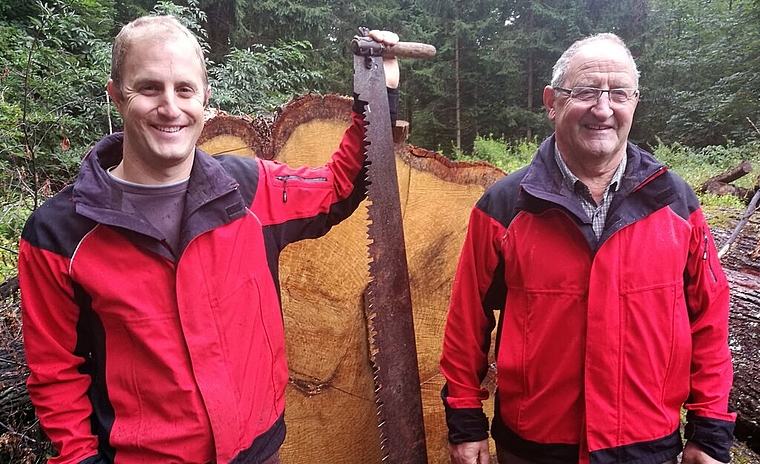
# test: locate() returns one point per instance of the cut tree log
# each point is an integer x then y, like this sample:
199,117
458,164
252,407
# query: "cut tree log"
745,340
322,281
730,175
330,400
235,135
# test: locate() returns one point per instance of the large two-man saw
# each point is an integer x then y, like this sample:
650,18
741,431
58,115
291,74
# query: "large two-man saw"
393,349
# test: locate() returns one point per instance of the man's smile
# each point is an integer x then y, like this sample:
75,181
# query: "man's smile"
168,129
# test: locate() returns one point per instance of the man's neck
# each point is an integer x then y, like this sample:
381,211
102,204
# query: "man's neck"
596,174
136,174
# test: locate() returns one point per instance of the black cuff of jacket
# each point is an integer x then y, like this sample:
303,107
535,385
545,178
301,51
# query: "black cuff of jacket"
393,99
713,436
465,425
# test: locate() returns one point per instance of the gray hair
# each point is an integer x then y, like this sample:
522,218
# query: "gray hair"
560,67
158,28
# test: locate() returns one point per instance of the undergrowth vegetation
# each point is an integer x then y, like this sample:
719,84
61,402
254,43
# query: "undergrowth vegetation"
697,166
694,165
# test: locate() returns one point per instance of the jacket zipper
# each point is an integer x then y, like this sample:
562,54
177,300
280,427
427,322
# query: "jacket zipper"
285,180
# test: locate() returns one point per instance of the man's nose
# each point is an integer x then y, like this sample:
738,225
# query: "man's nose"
602,106
168,107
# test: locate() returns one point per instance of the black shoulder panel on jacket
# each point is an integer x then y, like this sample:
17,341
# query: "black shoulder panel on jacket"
687,201
661,189
245,170
56,227
666,190
500,200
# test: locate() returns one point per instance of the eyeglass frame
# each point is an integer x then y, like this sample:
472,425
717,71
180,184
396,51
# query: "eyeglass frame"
636,93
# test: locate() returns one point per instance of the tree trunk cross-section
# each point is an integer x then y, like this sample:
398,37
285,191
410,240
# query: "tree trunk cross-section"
323,280
331,405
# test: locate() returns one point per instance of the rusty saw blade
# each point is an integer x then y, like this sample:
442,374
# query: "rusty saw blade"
393,350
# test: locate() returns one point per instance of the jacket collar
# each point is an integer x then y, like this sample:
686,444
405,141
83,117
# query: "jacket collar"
543,178
97,197
543,187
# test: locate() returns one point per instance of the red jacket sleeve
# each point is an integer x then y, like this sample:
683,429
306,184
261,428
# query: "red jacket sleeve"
469,324
310,200
707,295
326,194
56,387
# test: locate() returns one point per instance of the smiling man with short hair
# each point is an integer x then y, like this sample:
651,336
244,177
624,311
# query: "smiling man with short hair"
151,314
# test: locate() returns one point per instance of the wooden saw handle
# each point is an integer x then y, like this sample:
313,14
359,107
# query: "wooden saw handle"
410,50
365,46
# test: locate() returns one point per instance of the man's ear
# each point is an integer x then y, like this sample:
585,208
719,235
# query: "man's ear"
206,96
549,101
114,93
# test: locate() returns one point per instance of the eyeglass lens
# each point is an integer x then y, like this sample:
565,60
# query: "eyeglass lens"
588,94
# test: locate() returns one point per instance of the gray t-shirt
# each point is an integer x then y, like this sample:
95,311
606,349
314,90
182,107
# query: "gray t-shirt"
161,205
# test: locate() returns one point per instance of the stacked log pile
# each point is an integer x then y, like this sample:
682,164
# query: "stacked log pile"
330,397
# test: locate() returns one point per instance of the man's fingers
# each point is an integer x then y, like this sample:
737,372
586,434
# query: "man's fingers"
386,37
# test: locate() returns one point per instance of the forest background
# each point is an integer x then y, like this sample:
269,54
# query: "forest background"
479,98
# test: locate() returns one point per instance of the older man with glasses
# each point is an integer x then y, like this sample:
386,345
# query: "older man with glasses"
612,305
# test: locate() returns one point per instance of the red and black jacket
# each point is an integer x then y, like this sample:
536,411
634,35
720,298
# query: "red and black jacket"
600,342
141,355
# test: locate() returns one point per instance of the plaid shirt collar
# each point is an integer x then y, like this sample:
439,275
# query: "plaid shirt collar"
571,179
597,213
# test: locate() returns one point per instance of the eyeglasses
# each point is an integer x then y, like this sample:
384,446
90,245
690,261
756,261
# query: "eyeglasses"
591,94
